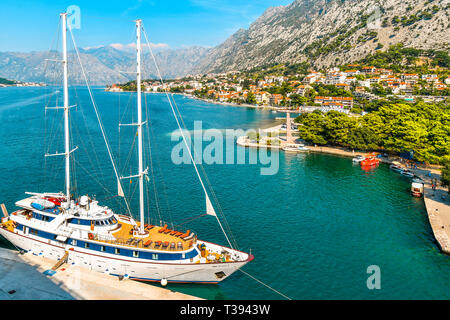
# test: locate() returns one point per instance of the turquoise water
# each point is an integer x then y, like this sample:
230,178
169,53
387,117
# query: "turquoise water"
313,228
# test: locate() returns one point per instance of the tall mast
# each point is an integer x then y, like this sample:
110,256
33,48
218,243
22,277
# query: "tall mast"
66,104
139,124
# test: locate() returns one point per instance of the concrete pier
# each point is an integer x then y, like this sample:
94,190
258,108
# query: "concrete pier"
437,203
22,278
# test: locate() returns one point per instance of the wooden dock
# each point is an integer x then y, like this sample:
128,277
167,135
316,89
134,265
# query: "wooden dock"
23,278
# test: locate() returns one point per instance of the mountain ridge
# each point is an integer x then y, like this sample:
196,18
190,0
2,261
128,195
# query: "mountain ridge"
327,32
103,65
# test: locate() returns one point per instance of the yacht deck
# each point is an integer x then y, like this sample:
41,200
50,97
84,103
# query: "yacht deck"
158,238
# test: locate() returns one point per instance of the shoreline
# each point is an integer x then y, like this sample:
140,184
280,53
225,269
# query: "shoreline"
437,203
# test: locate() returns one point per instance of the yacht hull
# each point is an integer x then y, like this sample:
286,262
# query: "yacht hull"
137,269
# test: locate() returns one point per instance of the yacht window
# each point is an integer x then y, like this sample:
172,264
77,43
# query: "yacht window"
74,242
86,245
117,251
135,254
155,256
102,248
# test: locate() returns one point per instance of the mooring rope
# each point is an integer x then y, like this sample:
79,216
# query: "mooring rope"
266,285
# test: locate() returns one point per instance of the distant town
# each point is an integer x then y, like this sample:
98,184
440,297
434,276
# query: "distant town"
14,83
349,88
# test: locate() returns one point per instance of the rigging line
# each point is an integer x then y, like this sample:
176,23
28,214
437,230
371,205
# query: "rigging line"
98,118
266,285
55,39
190,220
149,151
127,107
130,154
156,194
209,184
80,105
181,131
106,189
158,167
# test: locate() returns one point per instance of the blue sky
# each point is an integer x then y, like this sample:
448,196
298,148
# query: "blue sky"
31,25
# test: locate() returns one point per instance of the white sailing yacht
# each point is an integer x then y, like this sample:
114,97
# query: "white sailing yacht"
85,233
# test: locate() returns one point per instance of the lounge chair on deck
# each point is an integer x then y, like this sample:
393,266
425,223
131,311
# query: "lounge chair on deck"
165,244
149,227
178,233
157,244
167,231
172,245
129,241
162,229
189,237
173,232
179,245
184,235
147,243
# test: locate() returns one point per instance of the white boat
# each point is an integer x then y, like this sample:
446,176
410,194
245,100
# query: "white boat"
358,159
417,187
407,173
83,232
295,148
396,166
400,168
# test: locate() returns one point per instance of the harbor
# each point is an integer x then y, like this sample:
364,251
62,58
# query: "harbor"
437,202
357,218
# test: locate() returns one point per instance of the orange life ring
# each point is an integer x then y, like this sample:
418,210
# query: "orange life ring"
90,236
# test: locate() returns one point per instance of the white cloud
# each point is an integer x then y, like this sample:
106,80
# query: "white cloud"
132,46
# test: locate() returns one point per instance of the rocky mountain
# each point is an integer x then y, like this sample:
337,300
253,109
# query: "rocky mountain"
104,65
330,32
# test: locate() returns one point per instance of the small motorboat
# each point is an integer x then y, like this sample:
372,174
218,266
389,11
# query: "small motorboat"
295,148
417,187
369,161
396,166
358,159
407,173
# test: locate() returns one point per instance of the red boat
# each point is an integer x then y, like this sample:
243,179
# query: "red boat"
370,161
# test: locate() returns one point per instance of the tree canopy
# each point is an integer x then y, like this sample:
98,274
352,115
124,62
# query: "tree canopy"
396,127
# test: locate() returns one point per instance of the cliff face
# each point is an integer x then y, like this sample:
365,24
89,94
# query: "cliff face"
328,32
